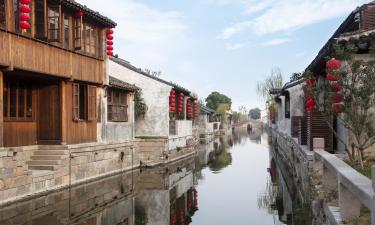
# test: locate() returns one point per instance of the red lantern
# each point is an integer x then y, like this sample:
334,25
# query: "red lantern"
24,17
109,31
109,53
25,2
78,14
109,42
333,64
337,98
109,48
24,9
330,77
110,37
338,108
336,87
310,82
24,25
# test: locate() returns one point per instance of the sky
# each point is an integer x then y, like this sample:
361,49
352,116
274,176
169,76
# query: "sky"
222,45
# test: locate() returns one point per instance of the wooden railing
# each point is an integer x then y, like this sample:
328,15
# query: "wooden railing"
27,54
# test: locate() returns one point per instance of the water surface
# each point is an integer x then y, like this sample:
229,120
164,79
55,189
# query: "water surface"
227,182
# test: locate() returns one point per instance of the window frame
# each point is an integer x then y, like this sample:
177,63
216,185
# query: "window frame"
287,105
77,33
122,103
66,43
27,89
3,17
90,40
57,22
86,110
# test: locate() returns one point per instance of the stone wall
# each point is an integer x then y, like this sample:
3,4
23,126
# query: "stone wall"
80,163
112,204
184,131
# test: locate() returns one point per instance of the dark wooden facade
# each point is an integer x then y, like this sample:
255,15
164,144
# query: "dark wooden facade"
40,68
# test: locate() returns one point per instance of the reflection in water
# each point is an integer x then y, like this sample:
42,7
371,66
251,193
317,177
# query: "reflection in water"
227,171
280,198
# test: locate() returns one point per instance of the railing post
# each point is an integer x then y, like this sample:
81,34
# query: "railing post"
350,206
373,187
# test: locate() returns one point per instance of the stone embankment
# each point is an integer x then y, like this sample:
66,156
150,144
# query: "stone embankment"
337,193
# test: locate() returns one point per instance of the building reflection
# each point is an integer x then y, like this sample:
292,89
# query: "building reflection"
280,198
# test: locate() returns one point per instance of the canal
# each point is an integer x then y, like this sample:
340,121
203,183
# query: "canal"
231,180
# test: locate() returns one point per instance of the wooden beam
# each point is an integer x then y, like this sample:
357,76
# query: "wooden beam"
1,109
63,112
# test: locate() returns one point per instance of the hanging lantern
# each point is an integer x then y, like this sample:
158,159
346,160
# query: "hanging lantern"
24,9
338,108
109,33
24,25
336,87
78,14
331,77
172,101
333,64
337,98
110,37
310,82
24,17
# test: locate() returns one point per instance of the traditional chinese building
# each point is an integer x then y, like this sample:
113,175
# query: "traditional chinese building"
165,130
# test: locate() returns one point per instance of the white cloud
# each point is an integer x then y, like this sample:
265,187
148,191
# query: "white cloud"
290,15
236,46
143,33
277,41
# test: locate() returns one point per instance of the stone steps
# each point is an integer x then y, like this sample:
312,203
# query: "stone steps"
43,162
51,152
48,157
44,167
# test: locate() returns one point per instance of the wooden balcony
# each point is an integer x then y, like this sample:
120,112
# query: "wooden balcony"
23,53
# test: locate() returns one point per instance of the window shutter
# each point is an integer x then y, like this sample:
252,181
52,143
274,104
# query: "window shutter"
91,103
75,101
40,19
54,23
78,33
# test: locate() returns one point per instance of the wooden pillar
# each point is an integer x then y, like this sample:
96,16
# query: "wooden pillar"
63,112
1,109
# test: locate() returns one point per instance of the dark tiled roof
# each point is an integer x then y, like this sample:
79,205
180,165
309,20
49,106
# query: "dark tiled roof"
206,110
116,83
72,4
126,64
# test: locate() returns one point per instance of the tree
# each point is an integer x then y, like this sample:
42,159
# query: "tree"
255,113
140,107
222,109
215,99
346,93
275,80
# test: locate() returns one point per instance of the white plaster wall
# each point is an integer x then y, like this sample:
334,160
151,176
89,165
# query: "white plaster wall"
156,95
296,108
184,130
204,125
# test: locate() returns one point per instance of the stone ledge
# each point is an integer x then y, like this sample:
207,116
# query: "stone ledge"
333,215
359,185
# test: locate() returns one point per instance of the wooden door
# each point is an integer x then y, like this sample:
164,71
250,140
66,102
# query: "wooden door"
49,118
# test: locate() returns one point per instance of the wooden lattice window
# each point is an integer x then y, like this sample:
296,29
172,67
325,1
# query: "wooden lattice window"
2,14
84,102
91,105
66,30
54,16
117,105
91,37
40,19
17,100
78,33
